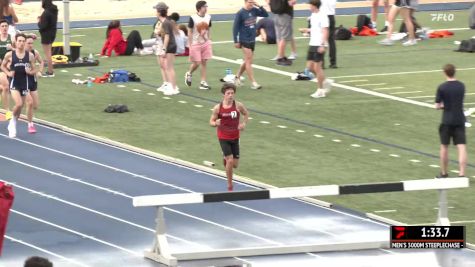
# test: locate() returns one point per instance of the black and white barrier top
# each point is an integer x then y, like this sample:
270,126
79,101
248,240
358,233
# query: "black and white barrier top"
307,191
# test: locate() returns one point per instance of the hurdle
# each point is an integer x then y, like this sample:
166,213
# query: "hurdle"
161,251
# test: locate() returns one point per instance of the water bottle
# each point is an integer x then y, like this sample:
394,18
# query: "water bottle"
90,58
228,71
89,82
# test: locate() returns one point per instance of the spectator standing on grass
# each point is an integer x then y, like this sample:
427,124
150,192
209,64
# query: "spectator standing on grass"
449,98
244,36
406,8
36,261
166,50
317,46
283,19
200,43
47,27
374,14
328,7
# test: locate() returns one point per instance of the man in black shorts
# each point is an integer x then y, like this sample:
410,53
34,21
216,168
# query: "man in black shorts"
450,95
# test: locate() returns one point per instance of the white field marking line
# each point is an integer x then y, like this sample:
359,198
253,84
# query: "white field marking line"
77,35
434,166
46,251
300,131
351,88
394,73
384,211
408,92
353,81
389,88
415,160
130,197
371,84
181,166
93,211
394,155
421,96
77,233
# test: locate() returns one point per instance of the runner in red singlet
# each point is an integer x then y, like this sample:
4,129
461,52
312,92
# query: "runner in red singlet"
226,117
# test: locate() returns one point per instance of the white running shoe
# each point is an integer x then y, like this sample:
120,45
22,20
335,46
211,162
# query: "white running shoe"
320,93
410,42
386,41
204,86
256,86
162,87
292,56
275,58
170,91
12,128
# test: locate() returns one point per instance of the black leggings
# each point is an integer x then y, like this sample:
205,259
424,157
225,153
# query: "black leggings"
134,40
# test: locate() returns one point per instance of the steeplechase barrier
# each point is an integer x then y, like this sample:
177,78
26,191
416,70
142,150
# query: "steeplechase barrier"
161,251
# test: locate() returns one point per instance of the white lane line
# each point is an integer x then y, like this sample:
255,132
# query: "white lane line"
77,74
172,210
389,88
182,102
394,73
264,122
198,106
421,96
77,35
407,92
394,155
371,84
415,160
384,211
342,86
355,145
282,126
375,150
353,81
150,94
336,140
72,261
451,222
77,233
64,71
300,131
434,166
121,85
318,136
469,103
166,97
136,90
96,212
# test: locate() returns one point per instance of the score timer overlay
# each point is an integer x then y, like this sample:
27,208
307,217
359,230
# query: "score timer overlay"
427,237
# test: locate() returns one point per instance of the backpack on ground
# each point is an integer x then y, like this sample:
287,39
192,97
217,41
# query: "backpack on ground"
278,6
467,46
342,33
119,76
361,21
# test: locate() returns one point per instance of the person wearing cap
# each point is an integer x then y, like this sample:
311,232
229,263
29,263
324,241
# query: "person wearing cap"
244,35
199,43
166,54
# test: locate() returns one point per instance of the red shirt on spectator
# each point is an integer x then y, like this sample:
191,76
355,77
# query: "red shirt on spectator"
115,41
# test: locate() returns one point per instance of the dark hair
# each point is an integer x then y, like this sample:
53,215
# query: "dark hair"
449,70
45,4
3,6
183,28
175,16
112,25
4,21
20,35
228,86
316,3
36,261
200,4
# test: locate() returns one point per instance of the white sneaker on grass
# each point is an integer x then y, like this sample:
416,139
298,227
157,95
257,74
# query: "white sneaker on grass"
320,93
386,41
327,85
204,85
410,42
255,86
275,58
292,56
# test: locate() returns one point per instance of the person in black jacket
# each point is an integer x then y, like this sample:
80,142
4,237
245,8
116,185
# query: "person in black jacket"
47,27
